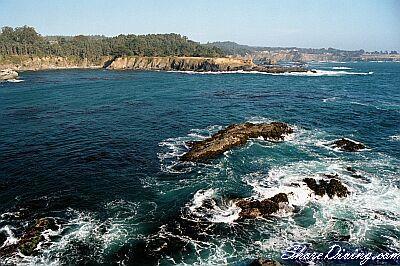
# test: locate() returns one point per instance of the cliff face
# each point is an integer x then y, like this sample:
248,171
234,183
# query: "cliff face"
180,63
8,74
49,62
199,64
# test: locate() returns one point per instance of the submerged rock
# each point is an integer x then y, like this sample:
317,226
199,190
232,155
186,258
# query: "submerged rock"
331,188
232,136
255,208
347,145
355,174
264,262
30,239
96,157
33,236
8,74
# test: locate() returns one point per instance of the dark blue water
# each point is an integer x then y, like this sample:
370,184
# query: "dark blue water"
99,151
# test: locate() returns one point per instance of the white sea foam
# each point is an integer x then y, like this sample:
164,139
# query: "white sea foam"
173,148
331,99
370,205
328,145
11,239
15,80
85,227
319,73
341,68
313,73
364,210
204,206
395,138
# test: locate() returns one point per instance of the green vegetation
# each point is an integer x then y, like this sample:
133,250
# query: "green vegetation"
232,48
25,41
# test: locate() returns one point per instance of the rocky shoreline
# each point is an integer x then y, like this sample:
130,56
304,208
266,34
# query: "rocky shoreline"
167,63
181,229
195,64
8,74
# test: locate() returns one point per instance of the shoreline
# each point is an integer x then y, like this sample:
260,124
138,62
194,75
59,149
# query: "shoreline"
168,63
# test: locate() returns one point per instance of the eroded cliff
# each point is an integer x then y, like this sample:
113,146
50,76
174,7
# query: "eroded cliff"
180,63
22,63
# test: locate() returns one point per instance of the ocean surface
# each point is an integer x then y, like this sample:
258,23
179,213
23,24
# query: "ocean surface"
99,151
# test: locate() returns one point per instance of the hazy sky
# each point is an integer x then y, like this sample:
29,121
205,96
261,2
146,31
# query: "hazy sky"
346,24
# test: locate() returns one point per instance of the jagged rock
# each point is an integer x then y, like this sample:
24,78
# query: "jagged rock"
351,169
347,145
331,188
255,208
30,239
7,251
331,175
355,174
232,136
7,74
33,236
264,262
198,64
3,237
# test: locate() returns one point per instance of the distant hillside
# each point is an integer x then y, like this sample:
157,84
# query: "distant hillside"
232,48
295,54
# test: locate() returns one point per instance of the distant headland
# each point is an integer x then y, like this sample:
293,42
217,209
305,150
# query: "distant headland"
22,48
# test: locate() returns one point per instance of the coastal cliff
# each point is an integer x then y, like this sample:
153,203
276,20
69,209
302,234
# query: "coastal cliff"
180,63
8,74
198,64
24,63
167,63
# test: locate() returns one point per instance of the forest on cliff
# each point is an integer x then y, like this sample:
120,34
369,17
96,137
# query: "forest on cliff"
26,41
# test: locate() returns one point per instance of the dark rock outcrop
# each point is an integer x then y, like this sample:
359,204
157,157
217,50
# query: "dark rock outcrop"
255,208
331,188
33,236
264,262
232,136
347,145
197,64
96,157
357,175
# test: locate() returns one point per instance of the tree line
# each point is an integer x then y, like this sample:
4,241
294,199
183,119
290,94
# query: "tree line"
26,41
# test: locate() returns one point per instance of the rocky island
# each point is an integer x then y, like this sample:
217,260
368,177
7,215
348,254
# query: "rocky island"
232,136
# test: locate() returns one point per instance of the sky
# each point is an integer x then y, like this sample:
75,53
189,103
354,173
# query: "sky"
344,24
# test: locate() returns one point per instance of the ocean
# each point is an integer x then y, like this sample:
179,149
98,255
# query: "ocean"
99,151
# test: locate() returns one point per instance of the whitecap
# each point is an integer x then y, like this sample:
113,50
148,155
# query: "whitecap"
341,68
319,73
15,80
395,138
311,73
11,239
331,99
204,206
329,145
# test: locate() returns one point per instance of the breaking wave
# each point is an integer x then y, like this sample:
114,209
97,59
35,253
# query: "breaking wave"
341,68
313,73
